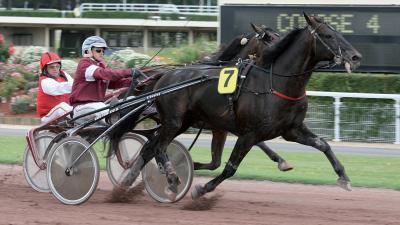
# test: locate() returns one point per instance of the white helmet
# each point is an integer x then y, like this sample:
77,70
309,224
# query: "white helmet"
93,41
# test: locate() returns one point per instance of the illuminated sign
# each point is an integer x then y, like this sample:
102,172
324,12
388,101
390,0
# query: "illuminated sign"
373,30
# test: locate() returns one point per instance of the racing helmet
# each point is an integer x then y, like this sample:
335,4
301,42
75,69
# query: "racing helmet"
48,58
93,41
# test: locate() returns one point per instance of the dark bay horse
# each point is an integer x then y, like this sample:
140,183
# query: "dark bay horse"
246,46
272,104
243,47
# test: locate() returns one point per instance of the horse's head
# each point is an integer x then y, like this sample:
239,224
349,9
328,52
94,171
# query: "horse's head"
248,46
331,45
264,37
265,34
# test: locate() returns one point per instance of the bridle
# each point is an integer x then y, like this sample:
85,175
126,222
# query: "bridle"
337,60
337,56
260,37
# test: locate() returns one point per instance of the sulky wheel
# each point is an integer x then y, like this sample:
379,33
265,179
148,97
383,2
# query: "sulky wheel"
35,176
156,181
129,148
72,184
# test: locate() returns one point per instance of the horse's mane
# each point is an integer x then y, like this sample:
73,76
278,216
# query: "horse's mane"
232,49
273,52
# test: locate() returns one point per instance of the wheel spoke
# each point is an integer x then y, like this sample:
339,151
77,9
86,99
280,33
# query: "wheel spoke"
156,183
129,148
77,186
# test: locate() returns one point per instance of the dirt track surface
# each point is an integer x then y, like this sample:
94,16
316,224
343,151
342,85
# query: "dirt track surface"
234,202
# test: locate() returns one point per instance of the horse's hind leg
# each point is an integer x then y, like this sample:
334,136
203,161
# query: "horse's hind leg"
146,154
282,164
304,136
242,147
169,130
217,146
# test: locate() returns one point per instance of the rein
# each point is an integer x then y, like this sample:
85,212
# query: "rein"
271,74
271,89
337,60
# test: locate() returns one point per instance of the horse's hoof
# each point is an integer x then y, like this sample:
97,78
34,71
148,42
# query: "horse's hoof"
197,192
173,188
284,166
173,182
344,184
170,194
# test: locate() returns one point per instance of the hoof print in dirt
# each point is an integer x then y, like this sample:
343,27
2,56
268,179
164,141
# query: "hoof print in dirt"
121,195
202,203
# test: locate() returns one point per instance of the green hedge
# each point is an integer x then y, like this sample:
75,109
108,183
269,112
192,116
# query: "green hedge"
106,15
357,82
188,53
21,105
32,13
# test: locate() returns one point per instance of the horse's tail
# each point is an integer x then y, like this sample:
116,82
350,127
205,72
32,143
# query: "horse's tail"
111,146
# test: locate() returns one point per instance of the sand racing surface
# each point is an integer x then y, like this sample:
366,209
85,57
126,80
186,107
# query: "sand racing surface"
233,202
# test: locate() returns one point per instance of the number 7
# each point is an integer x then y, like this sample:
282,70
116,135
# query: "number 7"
230,73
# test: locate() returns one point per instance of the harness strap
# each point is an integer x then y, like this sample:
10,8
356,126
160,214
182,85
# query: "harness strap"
271,89
195,139
247,68
242,77
281,95
244,69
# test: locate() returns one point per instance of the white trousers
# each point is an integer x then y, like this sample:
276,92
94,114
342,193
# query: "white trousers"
56,112
89,107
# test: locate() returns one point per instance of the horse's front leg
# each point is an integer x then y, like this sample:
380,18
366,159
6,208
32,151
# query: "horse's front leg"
242,147
217,146
167,133
304,136
282,164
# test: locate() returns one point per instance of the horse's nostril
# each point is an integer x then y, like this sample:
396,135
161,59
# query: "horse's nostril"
356,58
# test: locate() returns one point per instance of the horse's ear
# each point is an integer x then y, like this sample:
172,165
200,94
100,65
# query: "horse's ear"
308,19
257,29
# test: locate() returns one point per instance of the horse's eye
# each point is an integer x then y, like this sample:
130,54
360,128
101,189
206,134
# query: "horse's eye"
328,36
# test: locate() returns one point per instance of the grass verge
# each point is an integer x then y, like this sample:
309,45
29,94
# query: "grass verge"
310,168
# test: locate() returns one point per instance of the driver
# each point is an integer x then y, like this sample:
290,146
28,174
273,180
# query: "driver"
54,88
92,79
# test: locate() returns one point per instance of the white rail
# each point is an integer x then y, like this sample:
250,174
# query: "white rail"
338,105
152,8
